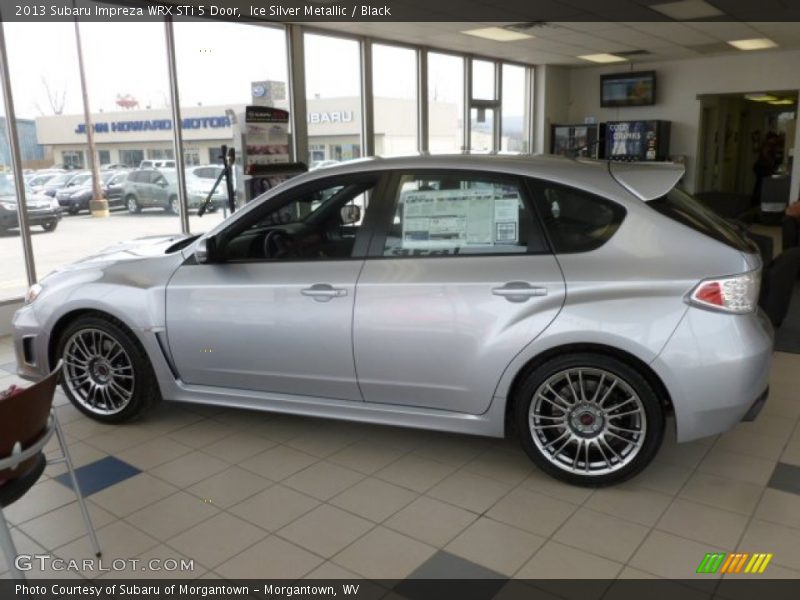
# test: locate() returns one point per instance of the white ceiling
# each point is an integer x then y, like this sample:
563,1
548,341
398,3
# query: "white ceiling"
560,42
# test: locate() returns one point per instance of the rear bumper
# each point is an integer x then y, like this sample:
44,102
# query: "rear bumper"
716,368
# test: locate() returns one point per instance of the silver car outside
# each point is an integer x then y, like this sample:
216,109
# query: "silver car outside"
585,354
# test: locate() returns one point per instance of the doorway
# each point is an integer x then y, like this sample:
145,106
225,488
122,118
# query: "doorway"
735,129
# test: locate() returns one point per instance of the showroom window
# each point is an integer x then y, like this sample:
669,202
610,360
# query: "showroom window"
448,215
131,158
394,88
333,96
445,103
104,157
223,67
514,96
73,159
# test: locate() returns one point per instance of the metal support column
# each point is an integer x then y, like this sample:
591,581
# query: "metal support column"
528,128
177,131
466,125
16,162
423,127
295,52
367,100
497,124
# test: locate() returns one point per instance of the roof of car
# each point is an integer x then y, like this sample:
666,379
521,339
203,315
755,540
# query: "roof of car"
646,181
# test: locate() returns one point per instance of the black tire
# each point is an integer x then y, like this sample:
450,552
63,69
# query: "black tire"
132,204
594,364
173,206
50,225
74,208
144,389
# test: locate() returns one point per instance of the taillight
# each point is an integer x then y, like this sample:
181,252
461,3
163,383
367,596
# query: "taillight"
736,294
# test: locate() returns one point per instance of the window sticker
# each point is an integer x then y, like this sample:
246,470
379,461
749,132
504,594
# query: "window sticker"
446,219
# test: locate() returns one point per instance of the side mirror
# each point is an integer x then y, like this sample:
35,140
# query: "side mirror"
350,214
205,251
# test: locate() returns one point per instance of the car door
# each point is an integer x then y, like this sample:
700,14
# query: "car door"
458,280
260,319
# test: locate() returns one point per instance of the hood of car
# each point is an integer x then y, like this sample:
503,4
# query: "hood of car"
146,247
34,201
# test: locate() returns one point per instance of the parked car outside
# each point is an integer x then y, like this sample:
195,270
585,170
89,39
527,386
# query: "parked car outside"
41,210
76,198
65,180
38,180
199,181
580,302
151,188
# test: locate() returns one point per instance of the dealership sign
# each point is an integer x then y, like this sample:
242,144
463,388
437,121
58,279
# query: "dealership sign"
333,116
156,125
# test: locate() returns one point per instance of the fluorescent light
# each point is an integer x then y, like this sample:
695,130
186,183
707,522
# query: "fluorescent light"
781,102
603,58
754,44
687,10
762,97
498,34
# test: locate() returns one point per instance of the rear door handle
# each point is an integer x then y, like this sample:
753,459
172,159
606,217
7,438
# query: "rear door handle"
323,292
518,291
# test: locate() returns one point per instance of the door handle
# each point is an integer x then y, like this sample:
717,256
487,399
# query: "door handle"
518,291
323,292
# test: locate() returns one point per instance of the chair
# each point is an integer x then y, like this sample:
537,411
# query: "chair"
27,422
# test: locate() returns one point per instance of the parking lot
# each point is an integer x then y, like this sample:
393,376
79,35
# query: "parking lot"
79,236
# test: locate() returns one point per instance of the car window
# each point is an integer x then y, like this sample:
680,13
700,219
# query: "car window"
575,220
680,206
453,214
313,223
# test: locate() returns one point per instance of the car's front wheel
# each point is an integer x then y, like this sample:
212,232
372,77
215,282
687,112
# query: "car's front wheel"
106,374
589,419
132,205
50,225
74,208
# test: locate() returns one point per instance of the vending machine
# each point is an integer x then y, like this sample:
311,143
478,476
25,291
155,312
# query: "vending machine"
637,140
580,140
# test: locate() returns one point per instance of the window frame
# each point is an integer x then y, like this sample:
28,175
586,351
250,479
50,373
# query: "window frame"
363,235
388,208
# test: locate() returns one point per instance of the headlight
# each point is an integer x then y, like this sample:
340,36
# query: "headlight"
9,205
33,293
54,203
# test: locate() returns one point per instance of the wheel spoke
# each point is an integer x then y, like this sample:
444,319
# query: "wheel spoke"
566,402
562,436
581,386
615,428
608,392
602,452
623,403
599,387
560,426
626,414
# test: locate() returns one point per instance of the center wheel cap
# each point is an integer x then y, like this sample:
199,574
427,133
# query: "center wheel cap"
586,420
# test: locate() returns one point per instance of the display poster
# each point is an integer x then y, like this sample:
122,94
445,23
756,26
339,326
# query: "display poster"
453,219
266,133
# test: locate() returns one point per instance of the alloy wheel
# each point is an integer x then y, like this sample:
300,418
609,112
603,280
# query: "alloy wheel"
587,421
98,371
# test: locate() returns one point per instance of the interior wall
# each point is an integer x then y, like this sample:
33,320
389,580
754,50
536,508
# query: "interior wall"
679,83
551,103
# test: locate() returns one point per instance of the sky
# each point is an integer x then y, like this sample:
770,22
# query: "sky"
216,62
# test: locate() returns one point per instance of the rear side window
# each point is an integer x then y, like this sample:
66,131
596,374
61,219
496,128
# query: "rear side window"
680,206
575,220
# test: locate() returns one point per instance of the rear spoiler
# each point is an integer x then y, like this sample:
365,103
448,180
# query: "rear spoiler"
646,181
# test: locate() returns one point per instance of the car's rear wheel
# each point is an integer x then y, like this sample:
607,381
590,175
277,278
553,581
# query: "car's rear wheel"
50,225
74,208
174,206
106,374
589,419
132,204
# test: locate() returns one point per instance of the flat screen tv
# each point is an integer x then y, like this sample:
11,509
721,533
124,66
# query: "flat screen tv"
628,89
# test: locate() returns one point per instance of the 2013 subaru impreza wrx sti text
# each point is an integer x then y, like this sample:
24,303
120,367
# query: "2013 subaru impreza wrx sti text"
581,303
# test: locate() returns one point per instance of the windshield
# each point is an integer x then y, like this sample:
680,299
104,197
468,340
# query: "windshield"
60,179
80,179
680,206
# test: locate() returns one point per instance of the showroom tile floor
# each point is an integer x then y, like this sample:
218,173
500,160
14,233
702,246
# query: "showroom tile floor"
249,494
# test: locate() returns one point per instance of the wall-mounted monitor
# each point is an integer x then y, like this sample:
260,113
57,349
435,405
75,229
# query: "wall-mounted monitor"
628,89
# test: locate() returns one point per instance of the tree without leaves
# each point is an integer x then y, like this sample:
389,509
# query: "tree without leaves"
55,99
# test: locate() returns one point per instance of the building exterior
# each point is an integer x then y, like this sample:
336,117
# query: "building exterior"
29,146
334,127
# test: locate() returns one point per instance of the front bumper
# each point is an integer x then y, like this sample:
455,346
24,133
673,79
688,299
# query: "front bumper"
10,220
30,344
716,368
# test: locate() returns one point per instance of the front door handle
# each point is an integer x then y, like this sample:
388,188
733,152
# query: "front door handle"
323,292
518,291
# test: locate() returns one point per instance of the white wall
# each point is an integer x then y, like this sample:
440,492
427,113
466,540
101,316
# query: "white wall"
551,103
679,83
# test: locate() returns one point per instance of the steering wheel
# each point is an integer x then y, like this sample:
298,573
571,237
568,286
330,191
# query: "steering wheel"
277,243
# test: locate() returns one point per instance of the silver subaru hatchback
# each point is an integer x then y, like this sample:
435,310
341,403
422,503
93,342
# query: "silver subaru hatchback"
580,303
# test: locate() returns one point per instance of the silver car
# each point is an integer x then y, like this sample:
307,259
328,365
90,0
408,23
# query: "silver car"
579,303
